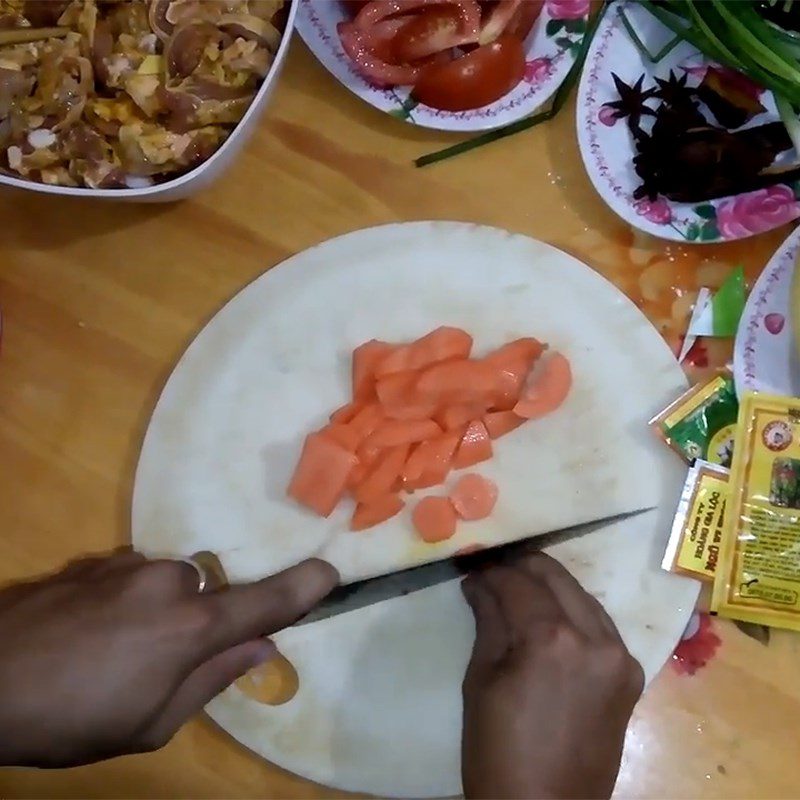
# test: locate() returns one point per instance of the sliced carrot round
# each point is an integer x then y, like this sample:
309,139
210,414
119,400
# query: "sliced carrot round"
548,390
434,518
474,496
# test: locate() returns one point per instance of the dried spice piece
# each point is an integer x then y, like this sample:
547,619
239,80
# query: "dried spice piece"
686,158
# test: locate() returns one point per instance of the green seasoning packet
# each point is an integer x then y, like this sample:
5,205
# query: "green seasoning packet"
702,422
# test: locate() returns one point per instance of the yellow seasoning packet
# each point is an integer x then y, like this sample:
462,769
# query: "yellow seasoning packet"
696,536
758,574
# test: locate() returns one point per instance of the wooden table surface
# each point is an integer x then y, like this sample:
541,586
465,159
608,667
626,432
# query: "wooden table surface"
100,299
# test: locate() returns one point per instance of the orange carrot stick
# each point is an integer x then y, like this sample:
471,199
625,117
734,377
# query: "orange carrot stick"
430,462
392,432
320,478
383,477
379,510
366,359
476,446
548,389
499,423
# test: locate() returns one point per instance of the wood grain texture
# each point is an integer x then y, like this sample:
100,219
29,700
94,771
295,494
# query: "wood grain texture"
99,300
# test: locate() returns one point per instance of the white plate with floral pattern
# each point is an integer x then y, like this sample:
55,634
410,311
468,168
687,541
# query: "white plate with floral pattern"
607,146
551,48
764,358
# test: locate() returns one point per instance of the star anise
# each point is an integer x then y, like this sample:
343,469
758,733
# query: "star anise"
674,91
631,103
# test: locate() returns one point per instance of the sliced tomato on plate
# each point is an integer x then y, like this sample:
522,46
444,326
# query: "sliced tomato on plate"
379,38
430,31
475,79
368,52
522,22
512,17
354,6
381,9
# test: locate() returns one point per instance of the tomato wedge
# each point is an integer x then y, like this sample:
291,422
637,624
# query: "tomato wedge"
475,79
511,17
431,31
381,9
522,22
367,52
354,6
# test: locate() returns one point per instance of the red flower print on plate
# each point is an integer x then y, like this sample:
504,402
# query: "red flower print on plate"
757,211
657,211
538,70
607,115
567,9
697,647
774,323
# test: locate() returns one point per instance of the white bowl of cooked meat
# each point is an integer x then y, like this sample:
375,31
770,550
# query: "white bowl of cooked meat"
144,100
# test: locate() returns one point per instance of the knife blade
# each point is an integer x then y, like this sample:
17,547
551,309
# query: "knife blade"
359,594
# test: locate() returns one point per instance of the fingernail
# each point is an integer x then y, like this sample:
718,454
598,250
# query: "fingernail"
264,651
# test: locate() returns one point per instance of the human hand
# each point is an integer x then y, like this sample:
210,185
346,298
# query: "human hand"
112,655
550,688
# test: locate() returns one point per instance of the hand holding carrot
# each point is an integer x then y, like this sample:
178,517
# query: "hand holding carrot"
550,688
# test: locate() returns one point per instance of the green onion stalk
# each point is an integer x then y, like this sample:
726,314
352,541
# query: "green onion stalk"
736,35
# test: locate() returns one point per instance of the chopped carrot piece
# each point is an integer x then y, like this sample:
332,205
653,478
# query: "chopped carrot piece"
513,362
434,518
398,396
457,416
474,496
459,380
345,413
527,349
379,510
320,478
392,432
430,462
440,345
548,390
368,455
499,423
358,473
383,476
510,380
343,435
476,446
365,422
366,359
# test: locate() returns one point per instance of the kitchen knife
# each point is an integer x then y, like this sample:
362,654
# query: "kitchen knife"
359,594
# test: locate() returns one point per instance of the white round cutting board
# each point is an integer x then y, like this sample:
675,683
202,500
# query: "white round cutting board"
379,709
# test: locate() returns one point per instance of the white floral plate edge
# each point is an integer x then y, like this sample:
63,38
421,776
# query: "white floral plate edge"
607,149
551,49
764,358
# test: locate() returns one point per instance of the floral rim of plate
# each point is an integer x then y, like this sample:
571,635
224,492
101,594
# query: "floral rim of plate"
551,50
723,219
763,353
